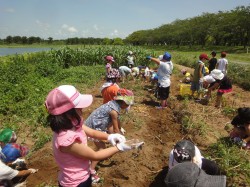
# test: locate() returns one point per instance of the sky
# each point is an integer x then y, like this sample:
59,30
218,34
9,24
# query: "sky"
62,19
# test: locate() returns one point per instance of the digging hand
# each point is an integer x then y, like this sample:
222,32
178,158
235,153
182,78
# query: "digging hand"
116,138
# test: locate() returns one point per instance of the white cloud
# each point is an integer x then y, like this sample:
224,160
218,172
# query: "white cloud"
115,33
72,30
69,29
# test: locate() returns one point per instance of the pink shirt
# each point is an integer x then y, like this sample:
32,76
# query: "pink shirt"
73,170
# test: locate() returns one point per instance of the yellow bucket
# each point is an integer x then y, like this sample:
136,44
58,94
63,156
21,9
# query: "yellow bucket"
185,89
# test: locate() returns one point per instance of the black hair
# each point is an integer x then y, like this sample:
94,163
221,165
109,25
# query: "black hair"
213,53
63,121
120,102
112,80
242,118
244,114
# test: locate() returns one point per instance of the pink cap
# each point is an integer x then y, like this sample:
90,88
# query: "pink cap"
110,58
64,98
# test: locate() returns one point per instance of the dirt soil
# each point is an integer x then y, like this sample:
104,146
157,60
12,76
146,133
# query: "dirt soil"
159,129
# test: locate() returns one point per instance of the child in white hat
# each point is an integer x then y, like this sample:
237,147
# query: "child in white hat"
222,84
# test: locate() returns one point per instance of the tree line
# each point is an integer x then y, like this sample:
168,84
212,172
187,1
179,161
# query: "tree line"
68,41
228,28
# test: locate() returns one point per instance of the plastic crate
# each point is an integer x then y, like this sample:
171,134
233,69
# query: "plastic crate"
185,89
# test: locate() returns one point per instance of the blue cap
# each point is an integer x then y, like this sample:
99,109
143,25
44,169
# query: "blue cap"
166,56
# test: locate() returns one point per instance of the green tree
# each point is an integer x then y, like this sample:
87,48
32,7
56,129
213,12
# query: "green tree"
50,40
118,41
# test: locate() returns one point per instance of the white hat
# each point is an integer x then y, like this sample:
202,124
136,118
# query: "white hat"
217,74
209,79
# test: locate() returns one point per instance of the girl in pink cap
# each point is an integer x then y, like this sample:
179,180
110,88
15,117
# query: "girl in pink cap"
72,154
109,61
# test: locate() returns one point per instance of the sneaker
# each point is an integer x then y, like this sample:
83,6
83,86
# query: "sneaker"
95,178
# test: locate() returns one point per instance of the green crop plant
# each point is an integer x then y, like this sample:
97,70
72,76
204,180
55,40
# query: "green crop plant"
232,161
42,138
229,111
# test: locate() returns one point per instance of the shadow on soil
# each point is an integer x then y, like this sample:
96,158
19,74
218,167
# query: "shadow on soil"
159,179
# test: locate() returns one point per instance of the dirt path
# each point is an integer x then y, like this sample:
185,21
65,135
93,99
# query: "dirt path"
159,129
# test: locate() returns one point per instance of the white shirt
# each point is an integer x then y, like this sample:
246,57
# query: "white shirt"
164,71
172,162
7,172
125,69
222,65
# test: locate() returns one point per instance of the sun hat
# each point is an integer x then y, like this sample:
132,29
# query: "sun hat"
184,150
188,174
64,98
243,117
209,79
125,95
217,74
110,58
8,136
166,56
203,55
130,52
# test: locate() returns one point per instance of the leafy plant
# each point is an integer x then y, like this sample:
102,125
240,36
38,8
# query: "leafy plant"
232,161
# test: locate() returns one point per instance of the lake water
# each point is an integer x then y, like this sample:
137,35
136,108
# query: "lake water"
21,50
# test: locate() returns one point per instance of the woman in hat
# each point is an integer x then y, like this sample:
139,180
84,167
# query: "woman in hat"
106,118
223,85
186,151
130,59
241,131
72,154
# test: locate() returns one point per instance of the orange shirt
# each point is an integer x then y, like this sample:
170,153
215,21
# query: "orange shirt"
109,93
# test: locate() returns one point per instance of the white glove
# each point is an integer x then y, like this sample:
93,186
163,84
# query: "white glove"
33,170
116,138
123,131
130,144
